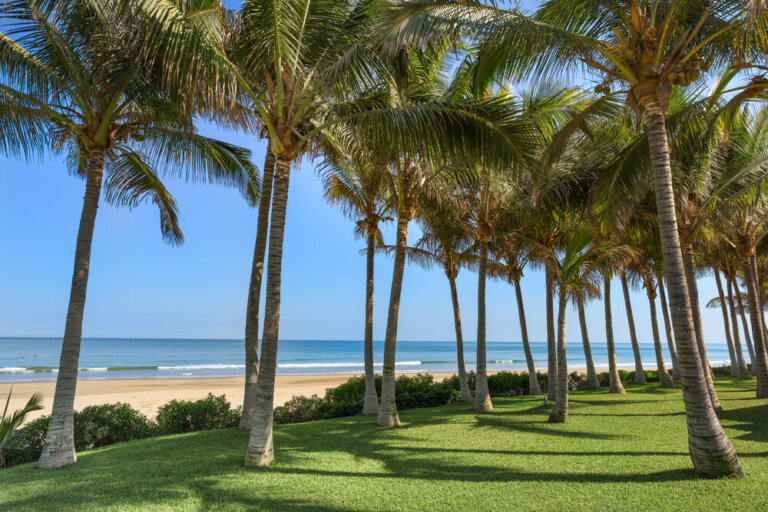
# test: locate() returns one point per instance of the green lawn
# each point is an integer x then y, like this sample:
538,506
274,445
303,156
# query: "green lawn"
615,453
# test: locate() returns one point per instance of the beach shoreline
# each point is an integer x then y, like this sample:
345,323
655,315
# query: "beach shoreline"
147,394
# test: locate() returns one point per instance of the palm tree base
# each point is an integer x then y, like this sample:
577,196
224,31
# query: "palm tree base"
59,450
371,406
618,390
483,403
467,397
557,417
388,419
259,458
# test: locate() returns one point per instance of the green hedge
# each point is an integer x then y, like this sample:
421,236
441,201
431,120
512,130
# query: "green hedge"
101,425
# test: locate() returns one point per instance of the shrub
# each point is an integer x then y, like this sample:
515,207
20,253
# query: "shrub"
26,445
100,425
95,426
209,413
347,399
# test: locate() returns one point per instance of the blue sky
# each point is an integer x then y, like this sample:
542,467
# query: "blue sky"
140,287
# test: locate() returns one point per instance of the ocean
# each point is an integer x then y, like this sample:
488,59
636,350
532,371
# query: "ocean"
30,359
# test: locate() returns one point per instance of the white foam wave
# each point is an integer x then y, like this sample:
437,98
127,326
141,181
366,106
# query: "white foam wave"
202,367
14,369
342,364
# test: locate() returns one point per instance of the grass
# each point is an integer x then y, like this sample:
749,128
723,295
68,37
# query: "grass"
615,453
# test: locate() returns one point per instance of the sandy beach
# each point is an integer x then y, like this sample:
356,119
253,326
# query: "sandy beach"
147,395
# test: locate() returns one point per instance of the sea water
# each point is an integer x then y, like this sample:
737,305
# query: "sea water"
28,359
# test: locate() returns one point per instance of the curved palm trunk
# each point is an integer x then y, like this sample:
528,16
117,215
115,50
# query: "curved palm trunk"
371,400
260,451
466,394
747,337
689,268
665,379
388,409
482,396
592,381
533,381
711,451
615,384
757,325
726,325
59,447
668,329
639,371
254,293
551,343
743,370
560,410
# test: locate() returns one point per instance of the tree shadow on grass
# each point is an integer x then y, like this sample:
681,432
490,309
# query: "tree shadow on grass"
751,420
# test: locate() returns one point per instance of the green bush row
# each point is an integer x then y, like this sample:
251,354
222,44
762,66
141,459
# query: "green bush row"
101,425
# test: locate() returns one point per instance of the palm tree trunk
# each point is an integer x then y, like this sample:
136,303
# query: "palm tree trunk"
689,268
747,337
59,447
639,371
665,379
759,290
260,451
615,385
388,409
668,329
371,400
592,381
482,395
466,394
551,343
254,293
533,381
711,451
726,325
743,370
757,322
560,410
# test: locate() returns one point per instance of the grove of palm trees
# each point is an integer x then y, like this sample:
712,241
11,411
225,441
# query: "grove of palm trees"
603,145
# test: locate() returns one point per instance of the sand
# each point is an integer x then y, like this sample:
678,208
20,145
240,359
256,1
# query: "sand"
147,395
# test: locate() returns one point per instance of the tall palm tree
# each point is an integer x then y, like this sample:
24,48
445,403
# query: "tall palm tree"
511,259
119,116
642,48
447,243
254,292
743,218
577,271
356,184
311,71
639,372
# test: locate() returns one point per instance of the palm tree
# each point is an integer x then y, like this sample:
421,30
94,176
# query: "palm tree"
577,272
117,113
745,326
641,270
509,265
10,423
743,218
254,293
356,183
447,243
639,372
644,48
614,380
667,325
